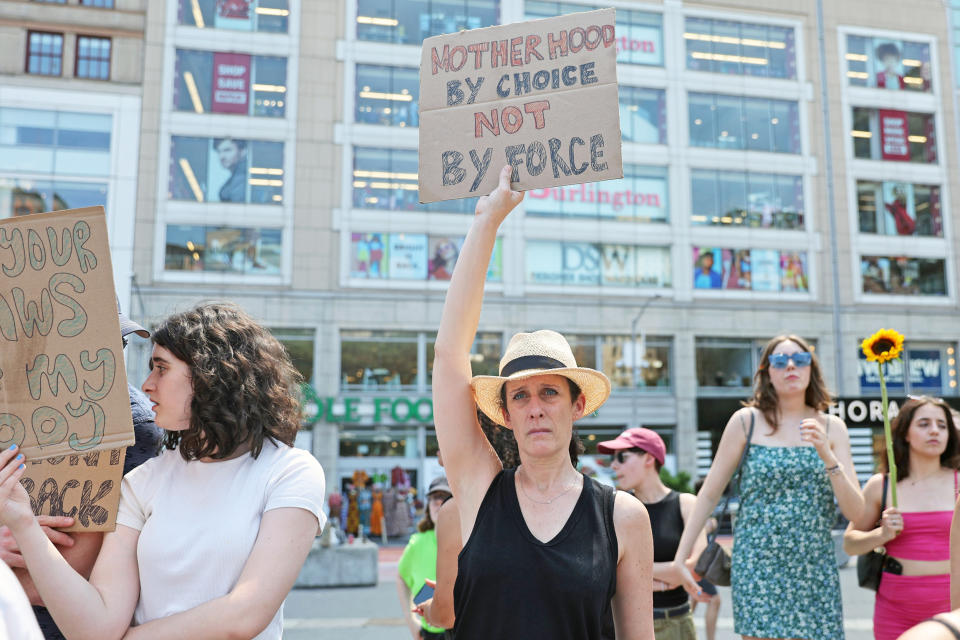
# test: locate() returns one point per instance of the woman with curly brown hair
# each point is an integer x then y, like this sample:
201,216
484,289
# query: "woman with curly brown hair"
915,582
796,460
211,534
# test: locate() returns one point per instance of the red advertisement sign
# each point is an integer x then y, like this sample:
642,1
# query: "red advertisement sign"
237,9
893,135
231,83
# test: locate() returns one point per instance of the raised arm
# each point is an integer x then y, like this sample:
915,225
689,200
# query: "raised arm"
285,537
469,460
731,447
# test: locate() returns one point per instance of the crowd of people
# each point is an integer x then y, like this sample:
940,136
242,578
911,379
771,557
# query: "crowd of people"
515,542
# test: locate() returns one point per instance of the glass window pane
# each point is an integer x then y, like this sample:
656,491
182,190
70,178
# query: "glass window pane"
730,122
378,364
643,115
232,250
266,172
724,365
733,197
903,275
388,96
299,346
651,360
758,127
194,81
869,195
723,46
785,123
892,65
410,21
703,126
188,168
698,36
704,195
269,86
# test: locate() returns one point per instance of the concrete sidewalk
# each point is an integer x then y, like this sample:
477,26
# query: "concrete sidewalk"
374,613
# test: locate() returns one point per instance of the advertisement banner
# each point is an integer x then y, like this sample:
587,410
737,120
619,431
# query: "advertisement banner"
63,391
563,263
639,44
368,256
793,271
707,268
234,14
407,256
540,96
900,208
893,135
765,267
231,83
642,198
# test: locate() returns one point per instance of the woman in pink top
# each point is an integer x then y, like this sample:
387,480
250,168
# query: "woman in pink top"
916,581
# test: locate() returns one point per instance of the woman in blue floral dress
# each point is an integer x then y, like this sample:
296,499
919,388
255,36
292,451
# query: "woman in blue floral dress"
784,575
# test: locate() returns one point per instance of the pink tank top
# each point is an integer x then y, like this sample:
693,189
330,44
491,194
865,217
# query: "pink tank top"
925,535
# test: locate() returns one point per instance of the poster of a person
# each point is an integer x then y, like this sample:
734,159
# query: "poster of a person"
900,208
227,166
889,66
707,266
444,251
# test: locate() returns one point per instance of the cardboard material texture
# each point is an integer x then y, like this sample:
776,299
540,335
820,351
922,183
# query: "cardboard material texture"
538,95
63,385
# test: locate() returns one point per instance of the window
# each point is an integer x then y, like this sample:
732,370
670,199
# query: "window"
757,200
410,21
726,365
237,15
735,122
889,134
387,179
412,256
590,264
103,4
641,196
221,249
55,142
299,346
22,196
894,65
903,276
93,58
381,442
923,369
652,362
899,208
750,269
388,96
381,360
484,355
740,48
226,170
643,115
215,82
44,53
639,33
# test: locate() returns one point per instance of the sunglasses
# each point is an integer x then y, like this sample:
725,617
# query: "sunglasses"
780,360
620,456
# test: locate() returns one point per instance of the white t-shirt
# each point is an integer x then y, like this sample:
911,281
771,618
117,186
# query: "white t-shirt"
16,617
198,522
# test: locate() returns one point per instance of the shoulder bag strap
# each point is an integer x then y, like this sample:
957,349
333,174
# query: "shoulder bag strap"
883,499
737,474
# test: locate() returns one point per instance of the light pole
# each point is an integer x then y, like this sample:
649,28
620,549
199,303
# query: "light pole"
634,349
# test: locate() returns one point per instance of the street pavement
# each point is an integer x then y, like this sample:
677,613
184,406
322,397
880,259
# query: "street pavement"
374,613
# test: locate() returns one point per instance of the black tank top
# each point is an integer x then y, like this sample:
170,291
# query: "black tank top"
511,585
666,521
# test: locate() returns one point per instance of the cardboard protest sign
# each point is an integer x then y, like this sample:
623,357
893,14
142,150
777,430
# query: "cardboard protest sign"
538,95
63,392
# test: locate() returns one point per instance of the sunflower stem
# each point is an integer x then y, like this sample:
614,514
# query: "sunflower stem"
888,438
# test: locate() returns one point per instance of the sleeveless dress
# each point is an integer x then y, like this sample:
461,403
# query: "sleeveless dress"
511,585
784,573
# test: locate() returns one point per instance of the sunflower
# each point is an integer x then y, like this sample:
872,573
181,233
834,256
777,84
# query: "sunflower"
883,346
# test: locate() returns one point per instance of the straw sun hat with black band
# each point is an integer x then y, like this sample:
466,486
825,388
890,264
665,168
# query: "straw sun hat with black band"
539,353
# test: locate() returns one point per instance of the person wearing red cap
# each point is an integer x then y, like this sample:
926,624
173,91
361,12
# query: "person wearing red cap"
638,455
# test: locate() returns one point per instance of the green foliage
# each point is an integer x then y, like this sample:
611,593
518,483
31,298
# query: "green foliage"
679,483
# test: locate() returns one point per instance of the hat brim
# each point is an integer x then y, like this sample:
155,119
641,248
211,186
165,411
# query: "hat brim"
594,385
609,446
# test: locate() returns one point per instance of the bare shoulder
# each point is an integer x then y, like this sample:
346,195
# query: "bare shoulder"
687,502
931,630
629,512
836,426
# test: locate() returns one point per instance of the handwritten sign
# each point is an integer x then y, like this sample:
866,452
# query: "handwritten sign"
63,391
538,95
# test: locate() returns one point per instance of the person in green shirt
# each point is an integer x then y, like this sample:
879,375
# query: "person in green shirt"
419,561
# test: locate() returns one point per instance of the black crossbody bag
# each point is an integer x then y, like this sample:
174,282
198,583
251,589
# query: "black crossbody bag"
714,563
870,565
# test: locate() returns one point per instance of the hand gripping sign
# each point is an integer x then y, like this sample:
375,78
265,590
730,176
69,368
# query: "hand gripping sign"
63,386
538,95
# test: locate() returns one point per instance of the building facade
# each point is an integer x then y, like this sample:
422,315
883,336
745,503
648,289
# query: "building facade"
70,102
785,171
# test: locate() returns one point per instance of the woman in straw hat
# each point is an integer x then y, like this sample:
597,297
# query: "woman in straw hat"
547,550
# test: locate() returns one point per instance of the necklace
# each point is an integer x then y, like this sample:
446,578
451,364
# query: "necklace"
531,499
